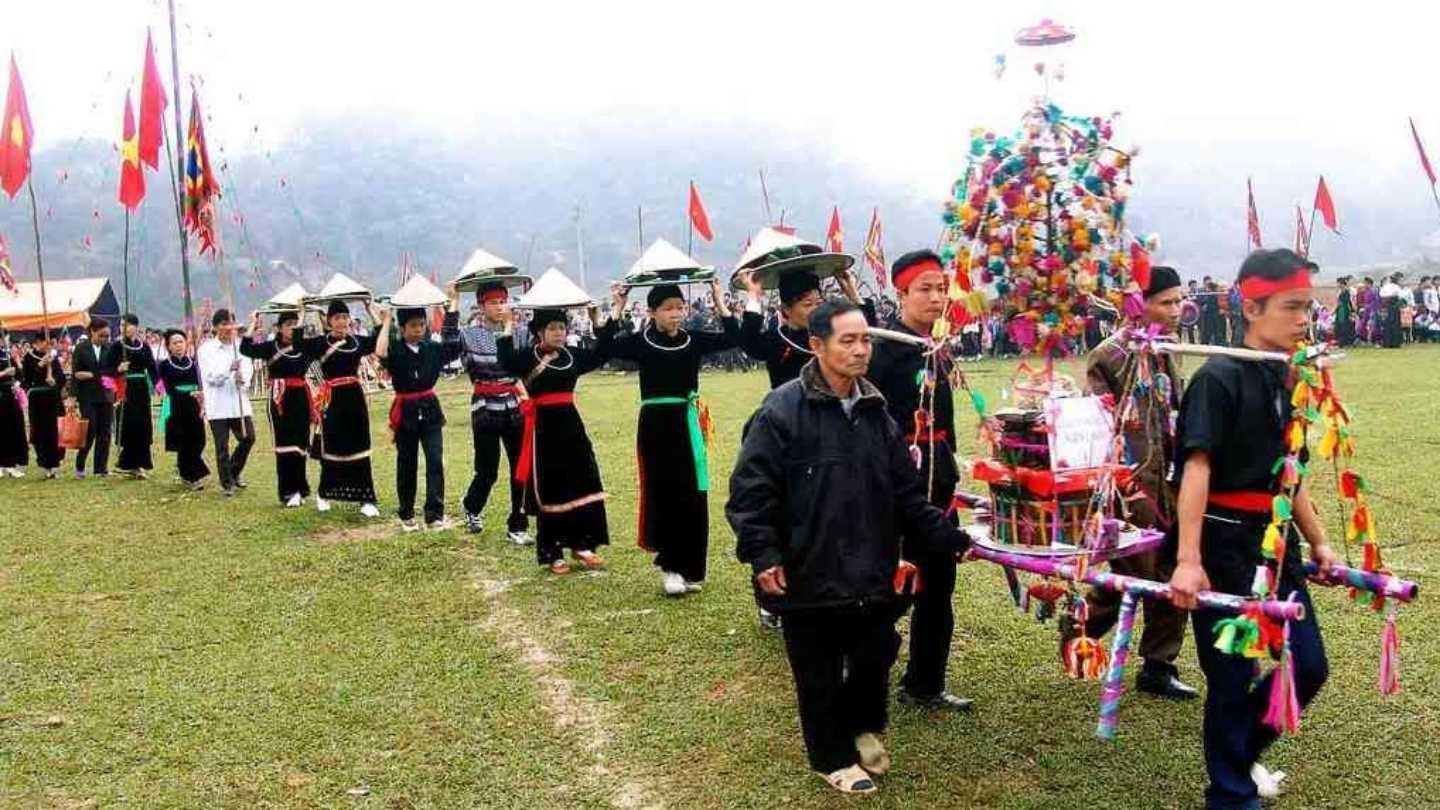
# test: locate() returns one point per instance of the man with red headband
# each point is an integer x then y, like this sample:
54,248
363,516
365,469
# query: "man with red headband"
1230,433
495,417
1110,370
923,289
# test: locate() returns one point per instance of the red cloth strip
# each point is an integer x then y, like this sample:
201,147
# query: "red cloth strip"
401,397
1255,289
926,436
1244,500
491,389
528,409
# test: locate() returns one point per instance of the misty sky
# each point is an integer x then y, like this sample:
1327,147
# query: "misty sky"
1278,90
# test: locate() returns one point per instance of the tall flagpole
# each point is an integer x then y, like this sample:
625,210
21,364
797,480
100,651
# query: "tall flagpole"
39,263
126,260
179,140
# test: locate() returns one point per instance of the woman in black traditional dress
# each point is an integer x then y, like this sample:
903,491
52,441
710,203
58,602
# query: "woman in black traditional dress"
291,405
674,465
182,416
43,379
135,367
557,462
14,450
343,446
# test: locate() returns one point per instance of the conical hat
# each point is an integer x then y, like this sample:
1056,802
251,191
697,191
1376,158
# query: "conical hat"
554,290
663,263
772,254
342,287
484,266
419,292
289,299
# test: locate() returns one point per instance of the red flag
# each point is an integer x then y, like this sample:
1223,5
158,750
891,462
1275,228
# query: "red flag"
7,276
437,314
835,238
152,109
201,190
1424,161
1302,234
698,218
1252,217
874,252
132,177
1326,206
16,135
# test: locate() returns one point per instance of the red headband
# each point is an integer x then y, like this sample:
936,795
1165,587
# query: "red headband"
907,276
1256,289
494,294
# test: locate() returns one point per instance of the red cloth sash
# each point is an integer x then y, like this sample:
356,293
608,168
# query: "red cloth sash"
528,409
492,389
278,387
1244,501
401,397
327,391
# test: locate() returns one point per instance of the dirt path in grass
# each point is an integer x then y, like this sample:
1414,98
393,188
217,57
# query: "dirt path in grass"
586,721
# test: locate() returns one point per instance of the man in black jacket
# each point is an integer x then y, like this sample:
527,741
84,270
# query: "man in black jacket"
819,499
88,369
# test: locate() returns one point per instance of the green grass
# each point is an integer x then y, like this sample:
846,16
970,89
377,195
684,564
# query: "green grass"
163,650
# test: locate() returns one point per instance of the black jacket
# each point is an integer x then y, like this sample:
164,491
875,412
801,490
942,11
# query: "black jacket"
828,497
93,390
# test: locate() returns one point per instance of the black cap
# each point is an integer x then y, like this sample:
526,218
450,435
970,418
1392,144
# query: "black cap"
337,307
169,333
222,315
661,293
544,317
409,314
794,286
1162,278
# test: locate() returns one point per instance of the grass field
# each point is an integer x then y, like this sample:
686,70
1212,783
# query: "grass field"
161,649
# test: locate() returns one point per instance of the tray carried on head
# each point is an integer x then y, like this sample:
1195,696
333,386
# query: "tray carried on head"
554,290
663,263
419,292
340,287
290,299
772,254
483,267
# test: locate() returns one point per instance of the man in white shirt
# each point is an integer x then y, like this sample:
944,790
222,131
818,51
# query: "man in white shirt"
226,377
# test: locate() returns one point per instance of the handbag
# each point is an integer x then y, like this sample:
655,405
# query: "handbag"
73,430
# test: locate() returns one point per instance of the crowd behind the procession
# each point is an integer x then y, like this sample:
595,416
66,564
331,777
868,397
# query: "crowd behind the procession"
840,500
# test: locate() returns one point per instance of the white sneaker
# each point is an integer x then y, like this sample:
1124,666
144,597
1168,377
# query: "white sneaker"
673,583
4,471
17,472
321,505
1267,782
520,538
370,510
410,525
693,587
440,524
294,502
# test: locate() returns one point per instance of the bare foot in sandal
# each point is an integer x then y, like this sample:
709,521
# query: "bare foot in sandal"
873,756
590,560
559,567
853,780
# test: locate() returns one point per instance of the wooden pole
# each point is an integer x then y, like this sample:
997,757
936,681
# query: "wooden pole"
765,195
179,140
125,260
640,227
39,262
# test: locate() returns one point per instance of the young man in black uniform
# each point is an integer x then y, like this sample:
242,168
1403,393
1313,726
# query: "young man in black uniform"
96,401
1231,429
924,291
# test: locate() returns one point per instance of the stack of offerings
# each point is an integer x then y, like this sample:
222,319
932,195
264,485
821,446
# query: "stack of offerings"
1048,476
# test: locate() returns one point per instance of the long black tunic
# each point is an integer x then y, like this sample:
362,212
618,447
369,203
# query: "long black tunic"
564,487
134,432
184,426
674,516
289,408
344,445
14,449
47,405
897,370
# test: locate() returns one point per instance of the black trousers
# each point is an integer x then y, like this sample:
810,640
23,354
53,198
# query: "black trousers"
408,441
230,466
487,470
932,625
841,661
102,417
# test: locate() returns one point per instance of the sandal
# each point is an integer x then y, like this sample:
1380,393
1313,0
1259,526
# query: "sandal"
873,756
590,560
559,567
852,780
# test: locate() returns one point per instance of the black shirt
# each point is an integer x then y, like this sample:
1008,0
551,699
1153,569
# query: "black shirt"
337,358
418,369
669,364
1237,412
783,349
896,369
137,354
280,361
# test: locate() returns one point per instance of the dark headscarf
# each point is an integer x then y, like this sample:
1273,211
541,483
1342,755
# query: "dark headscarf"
337,307
661,293
794,286
544,317
1162,278
286,317
409,314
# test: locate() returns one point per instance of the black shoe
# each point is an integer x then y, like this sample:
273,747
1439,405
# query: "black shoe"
1164,684
769,620
943,701
473,524
240,483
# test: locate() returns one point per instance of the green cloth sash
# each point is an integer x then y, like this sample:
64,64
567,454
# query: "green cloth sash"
142,376
697,436
165,404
